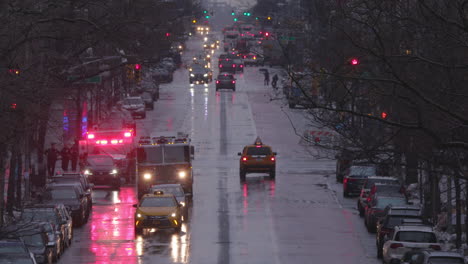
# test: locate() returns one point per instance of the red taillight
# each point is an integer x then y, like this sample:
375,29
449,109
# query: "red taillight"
233,81
241,66
233,65
244,158
127,134
220,65
272,158
245,57
435,247
217,81
368,199
396,245
345,180
90,136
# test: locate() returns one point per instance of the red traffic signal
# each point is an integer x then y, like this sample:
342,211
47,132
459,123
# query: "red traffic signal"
168,34
384,115
354,61
137,67
13,106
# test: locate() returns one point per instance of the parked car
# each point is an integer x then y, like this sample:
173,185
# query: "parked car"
226,81
71,197
135,105
432,257
354,177
405,238
54,238
12,258
375,209
168,63
101,169
394,216
77,177
81,190
366,187
151,87
57,214
161,75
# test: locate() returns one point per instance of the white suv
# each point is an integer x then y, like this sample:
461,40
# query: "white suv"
406,238
135,105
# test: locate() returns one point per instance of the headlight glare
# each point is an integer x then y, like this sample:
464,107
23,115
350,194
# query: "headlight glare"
114,171
173,214
139,215
147,176
192,75
87,172
182,174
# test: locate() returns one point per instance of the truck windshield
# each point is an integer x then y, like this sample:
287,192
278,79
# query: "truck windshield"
176,154
150,155
172,154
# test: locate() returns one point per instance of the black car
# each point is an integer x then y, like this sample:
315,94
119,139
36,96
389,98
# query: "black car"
102,170
77,177
161,75
199,74
227,66
70,196
56,214
355,177
226,81
12,258
375,209
82,193
36,240
239,64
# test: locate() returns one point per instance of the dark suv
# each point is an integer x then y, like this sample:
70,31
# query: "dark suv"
394,216
102,169
366,188
354,177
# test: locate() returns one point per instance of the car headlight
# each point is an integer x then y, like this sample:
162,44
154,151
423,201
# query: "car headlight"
173,214
208,56
205,39
139,215
182,174
180,47
205,75
147,176
114,171
182,203
87,172
192,75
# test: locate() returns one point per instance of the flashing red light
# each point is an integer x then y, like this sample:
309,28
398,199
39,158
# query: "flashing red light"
267,34
384,115
103,142
168,34
233,65
220,65
244,158
13,106
137,67
217,81
114,141
90,136
127,134
354,61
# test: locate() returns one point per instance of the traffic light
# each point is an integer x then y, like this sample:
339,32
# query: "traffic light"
204,11
384,115
194,21
269,18
235,19
233,13
137,71
207,17
354,61
14,71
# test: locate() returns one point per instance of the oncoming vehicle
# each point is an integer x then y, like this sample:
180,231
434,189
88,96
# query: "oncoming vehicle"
178,192
257,158
102,170
163,160
158,210
199,74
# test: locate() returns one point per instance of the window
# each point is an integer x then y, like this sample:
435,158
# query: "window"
150,155
362,170
34,240
158,202
174,154
130,101
416,237
100,160
258,151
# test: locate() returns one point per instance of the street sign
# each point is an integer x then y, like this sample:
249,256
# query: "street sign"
95,79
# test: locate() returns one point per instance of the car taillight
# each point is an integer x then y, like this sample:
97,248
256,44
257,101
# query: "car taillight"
233,81
272,158
233,65
345,180
396,245
241,66
220,65
217,81
435,247
244,158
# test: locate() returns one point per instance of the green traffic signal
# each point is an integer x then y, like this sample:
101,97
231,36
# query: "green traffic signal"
235,19
207,17
204,11
233,14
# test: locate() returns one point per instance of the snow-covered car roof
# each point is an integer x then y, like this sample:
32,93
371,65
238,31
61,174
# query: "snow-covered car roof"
417,228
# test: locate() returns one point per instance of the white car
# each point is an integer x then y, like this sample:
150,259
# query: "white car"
406,238
135,105
433,257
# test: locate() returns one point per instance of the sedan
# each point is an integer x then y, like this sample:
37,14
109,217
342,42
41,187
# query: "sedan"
226,81
375,210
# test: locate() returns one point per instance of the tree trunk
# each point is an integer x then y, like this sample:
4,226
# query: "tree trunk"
19,179
449,204
11,182
2,182
42,130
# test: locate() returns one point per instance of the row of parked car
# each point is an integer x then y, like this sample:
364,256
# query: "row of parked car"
43,230
402,233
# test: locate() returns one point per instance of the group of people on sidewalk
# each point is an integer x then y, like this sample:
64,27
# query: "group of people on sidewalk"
266,81
67,155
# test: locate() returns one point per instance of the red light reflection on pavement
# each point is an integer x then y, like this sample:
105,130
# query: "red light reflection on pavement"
112,233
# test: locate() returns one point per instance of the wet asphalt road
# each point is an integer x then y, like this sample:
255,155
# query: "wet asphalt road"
300,217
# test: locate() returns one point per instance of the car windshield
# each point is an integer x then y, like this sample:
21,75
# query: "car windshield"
130,101
11,248
445,260
175,190
61,193
198,68
225,77
33,240
258,151
371,181
100,161
416,237
383,202
397,220
158,202
362,170
40,215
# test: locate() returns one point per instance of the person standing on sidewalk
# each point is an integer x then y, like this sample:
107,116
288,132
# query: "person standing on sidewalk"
74,153
65,153
52,155
267,78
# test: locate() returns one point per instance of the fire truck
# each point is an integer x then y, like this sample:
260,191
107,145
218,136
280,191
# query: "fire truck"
164,159
118,143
